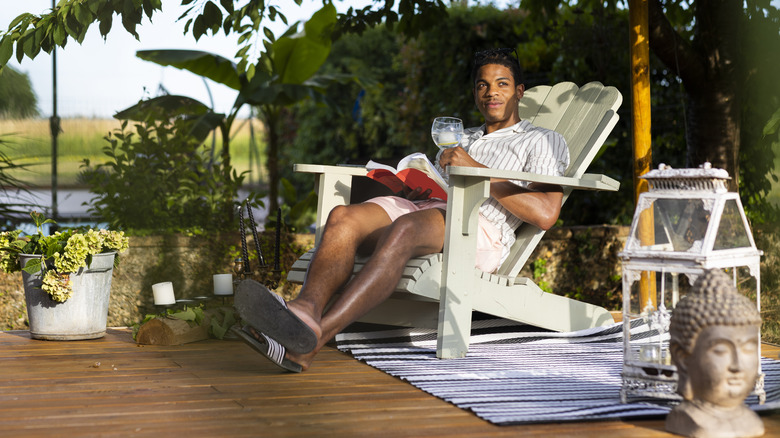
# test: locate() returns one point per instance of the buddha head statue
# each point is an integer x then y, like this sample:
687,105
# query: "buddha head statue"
714,344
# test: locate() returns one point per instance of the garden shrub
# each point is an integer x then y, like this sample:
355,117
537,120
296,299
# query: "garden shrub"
159,178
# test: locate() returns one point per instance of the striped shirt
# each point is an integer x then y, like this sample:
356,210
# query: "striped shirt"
522,147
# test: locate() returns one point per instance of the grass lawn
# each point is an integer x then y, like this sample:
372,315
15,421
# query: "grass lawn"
29,142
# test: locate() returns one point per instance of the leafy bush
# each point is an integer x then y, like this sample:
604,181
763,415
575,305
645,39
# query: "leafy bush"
160,179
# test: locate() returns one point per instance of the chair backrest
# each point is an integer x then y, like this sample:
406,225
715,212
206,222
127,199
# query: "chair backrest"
584,116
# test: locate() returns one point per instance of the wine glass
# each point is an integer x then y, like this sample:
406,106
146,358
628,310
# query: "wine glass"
446,131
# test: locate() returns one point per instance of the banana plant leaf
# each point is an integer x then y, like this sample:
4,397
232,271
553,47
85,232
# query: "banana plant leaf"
202,119
214,67
297,58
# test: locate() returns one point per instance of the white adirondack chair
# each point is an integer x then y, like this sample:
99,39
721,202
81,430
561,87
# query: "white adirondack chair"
444,288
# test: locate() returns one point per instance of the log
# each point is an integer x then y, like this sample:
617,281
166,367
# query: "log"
170,331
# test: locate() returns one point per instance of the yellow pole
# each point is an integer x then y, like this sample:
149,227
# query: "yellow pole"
640,92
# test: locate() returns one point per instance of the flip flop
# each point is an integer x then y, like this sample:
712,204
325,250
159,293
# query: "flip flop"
267,313
268,348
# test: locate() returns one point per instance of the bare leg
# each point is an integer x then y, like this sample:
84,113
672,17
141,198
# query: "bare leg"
412,235
349,230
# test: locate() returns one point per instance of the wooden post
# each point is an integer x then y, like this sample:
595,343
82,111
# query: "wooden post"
640,93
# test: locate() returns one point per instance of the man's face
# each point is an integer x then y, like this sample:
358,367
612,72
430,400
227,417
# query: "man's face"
724,364
496,96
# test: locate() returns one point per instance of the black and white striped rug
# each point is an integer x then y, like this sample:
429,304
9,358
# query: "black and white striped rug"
514,374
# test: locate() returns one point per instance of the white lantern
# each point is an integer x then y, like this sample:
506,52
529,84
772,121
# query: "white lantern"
686,223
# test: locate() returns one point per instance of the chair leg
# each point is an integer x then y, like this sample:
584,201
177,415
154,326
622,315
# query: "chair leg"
454,324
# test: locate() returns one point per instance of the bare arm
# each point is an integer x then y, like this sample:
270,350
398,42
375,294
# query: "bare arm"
539,205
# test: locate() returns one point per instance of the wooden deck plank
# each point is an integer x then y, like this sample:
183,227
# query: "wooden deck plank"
223,388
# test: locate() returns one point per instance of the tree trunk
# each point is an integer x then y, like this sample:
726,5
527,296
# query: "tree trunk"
708,69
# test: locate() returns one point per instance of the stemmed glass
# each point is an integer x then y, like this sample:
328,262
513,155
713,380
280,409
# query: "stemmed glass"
446,131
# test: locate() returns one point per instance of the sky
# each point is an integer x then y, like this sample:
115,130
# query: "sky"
100,78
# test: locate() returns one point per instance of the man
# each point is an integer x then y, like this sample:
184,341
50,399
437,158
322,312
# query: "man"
714,344
393,230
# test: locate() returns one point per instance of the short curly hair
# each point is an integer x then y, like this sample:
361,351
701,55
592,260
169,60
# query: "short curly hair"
497,56
712,301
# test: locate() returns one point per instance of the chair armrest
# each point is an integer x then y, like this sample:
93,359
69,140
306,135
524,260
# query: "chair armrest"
588,181
337,170
333,185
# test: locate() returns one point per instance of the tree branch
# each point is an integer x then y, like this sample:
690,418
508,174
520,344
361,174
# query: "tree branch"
674,51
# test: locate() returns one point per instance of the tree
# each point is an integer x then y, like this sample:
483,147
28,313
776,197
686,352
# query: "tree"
714,72
28,34
285,75
718,51
17,98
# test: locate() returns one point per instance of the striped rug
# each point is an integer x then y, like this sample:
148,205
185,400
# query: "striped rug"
514,374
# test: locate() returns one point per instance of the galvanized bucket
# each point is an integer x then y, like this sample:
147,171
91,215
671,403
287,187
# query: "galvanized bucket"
83,315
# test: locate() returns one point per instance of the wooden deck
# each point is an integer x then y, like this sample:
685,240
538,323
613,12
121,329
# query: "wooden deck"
113,387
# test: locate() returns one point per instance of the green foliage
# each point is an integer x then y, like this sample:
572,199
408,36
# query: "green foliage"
192,315
57,255
767,240
760,118
299,211
70,19
159,178
220,320
9,182
581,23
329,134
17,98
286,75
539,269
406,83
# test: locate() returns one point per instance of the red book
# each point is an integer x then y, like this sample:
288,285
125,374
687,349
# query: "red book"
413,171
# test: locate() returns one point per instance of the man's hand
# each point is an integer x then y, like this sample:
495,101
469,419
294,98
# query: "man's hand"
457,156
416,194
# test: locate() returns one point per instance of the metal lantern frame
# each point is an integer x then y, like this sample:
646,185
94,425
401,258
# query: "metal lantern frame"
686,223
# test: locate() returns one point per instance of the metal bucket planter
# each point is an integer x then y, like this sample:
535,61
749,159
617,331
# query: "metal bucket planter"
83,315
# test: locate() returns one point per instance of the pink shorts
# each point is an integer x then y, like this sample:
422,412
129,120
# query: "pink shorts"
489,248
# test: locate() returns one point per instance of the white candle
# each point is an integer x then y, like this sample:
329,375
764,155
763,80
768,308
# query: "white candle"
163,294
223,284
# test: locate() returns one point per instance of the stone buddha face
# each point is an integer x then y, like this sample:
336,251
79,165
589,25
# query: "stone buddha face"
723,368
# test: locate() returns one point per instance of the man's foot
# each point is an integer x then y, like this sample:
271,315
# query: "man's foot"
303,361
268,347
267,313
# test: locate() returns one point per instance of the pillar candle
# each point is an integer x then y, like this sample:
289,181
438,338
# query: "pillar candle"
163,294
223,284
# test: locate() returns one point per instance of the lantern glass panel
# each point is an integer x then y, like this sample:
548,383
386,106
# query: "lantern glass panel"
678,225
662,287
732,232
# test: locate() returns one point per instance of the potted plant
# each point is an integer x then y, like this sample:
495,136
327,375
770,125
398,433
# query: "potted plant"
67,277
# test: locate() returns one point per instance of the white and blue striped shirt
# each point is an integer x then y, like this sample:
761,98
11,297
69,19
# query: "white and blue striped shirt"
522,147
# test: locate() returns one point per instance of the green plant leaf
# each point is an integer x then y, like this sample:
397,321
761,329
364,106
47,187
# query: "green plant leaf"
297,58
213,16
33,266
228,5
218,329
773,125
6,49
162,106
188,314
214,67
